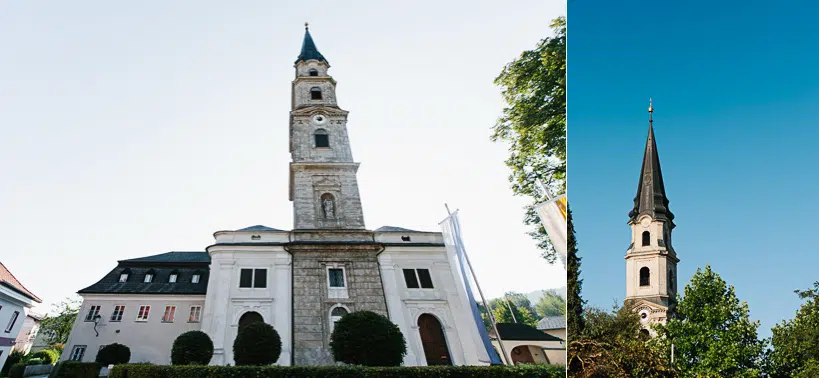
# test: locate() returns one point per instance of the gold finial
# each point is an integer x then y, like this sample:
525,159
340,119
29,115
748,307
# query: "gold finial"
650,105
306,25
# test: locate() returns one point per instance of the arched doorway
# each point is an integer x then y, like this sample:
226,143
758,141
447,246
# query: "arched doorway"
250,318
433,340
522,355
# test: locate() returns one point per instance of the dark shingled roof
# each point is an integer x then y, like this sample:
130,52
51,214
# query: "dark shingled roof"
183,264
394,229
521,332
259,227
309,50
651,198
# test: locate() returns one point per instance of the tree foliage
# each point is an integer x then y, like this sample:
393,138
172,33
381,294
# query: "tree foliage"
796,342
257,344
113,354
550,304
192,348
534,124
57,325
574,284
712,333
521,310
369,339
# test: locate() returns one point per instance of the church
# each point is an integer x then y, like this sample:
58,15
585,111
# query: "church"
301,281
651,262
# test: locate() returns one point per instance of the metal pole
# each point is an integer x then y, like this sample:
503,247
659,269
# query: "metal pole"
510,308
483,299
672,353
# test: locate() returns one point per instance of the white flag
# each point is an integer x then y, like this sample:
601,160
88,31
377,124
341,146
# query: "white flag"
553,215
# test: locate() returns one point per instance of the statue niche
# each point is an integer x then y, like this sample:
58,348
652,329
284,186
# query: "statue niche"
328,206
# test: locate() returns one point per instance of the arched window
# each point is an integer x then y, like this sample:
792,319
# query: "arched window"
335,315
322,138
250,318
645,276
646,238
313,72
315,93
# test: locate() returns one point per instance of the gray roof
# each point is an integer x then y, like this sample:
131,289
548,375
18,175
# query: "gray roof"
259,227
521,332
552,322
308,49
394,229
183,264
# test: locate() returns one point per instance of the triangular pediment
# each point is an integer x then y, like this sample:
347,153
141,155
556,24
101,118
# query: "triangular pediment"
640,304
310,110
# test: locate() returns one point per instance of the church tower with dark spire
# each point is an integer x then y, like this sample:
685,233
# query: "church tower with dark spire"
651,262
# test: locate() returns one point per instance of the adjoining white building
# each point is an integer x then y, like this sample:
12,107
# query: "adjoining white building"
28,332
15,303
301,281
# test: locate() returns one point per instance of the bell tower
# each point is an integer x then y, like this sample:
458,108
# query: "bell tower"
651,262
323,184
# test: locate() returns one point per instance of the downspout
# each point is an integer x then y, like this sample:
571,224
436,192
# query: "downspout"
292,301
381,277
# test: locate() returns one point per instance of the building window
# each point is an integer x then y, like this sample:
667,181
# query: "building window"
92,313
322,138
149,277
645,276
168,316
313,72
116,316
336,277
77,353
196,313
142,316
195,278
12,321
336,281
123,277
173,277
646,238
335,315
418,278
253,278
315,93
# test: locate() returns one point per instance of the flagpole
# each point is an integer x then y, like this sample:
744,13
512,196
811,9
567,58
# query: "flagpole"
483,299
510,308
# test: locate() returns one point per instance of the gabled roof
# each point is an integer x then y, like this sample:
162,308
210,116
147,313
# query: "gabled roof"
8,279
552,322
521,332
308,49
172,257
394,229
258,227
651,198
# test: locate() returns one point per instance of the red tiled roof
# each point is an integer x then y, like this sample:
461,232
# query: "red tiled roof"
9,279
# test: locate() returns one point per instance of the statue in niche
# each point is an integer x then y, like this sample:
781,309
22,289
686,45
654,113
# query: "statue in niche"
328,205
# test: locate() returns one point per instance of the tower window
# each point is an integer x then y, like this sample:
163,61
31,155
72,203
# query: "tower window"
315,93
322,138
671,280
646,238
313,72
645,276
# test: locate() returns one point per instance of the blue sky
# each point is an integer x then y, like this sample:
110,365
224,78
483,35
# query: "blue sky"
735,90
131,129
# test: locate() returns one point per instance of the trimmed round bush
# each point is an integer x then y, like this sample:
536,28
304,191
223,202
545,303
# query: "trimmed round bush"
369,339
49,356
17,370
192,348
257,344
34,361
113,354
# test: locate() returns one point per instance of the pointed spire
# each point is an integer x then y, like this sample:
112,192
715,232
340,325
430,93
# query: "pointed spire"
308,48
651,198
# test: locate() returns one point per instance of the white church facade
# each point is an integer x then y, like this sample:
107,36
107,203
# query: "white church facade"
651,261
300,281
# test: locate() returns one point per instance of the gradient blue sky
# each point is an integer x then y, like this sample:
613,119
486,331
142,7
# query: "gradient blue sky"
735,88
131,129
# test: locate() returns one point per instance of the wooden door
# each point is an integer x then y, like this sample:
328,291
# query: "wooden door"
432,337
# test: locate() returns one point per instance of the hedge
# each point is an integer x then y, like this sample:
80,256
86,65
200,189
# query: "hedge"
181,371
49,356
76,369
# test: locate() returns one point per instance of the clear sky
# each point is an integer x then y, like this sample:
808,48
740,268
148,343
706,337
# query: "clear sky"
735,88
134,129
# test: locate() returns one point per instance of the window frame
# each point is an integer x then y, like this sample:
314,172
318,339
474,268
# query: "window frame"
313,91
173,277
321,132
12,321
123,277
149,277
253,278
198,314
418,279
114,317
171,307
648,276
81,348
333,319
147,313
312,71
195,278
95,310
339,292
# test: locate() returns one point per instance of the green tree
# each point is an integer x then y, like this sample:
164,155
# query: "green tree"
501,311
192,348
369,339
712,333
574,284
796,342
550,304
257,344
534,124
57,324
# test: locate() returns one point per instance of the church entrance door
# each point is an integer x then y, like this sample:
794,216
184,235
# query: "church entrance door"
432,337
250,318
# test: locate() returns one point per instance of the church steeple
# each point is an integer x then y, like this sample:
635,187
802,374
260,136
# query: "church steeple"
308,48
651,198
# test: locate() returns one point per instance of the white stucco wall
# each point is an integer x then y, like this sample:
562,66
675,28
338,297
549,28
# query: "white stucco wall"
551,352
11,301
446,301
26,335
226,302
149,341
